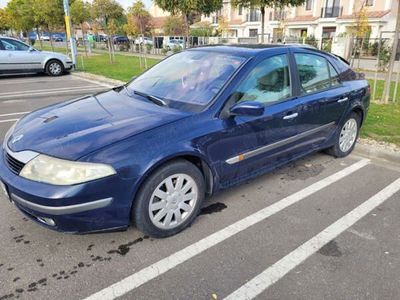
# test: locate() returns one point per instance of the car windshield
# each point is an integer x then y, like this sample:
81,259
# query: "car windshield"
188,80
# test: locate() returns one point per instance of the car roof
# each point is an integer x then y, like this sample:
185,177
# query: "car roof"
250,50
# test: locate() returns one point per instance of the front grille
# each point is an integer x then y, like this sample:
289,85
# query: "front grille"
14,165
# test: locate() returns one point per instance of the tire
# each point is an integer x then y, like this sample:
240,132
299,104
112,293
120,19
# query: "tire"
167,205
344,145
54,68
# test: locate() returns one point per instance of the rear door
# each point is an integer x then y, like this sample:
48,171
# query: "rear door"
323,98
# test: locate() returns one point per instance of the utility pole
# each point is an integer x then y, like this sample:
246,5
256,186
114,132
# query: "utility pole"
386,90
69,31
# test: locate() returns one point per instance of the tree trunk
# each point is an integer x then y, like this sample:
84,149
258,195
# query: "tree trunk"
83,38
386,90
51,42
39,37
186,16
262,23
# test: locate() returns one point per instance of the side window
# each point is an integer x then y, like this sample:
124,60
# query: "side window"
1,46
334,75
12,45
313,73
267,83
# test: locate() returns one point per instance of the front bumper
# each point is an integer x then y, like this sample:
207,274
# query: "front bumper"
98,205
68,66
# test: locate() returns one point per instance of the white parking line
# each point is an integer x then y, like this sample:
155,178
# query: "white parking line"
51,93
9,120
8,81
48,90
14,114
137,279
275,272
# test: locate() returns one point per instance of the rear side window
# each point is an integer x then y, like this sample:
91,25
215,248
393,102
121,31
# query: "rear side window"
334,75
315,73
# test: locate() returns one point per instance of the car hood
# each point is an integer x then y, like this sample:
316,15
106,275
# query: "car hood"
76,128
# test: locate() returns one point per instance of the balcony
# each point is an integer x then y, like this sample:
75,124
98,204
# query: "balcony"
331,11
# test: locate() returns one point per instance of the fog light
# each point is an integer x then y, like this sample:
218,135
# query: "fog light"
47,221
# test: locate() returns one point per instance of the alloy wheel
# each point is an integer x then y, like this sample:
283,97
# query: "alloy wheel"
173,201
348,135
55,68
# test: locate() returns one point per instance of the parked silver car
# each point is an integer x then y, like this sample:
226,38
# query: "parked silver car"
18,57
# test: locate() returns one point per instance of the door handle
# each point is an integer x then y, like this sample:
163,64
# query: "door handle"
343,100
292,116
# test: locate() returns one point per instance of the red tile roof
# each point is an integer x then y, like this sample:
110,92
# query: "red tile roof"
370,15
158,22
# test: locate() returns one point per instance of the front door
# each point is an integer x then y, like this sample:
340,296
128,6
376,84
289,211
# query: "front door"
17,56
248,144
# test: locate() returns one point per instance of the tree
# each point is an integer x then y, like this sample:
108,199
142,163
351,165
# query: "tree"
360,31
186,8
174,25
49,14
201,29
263,5
388,82
138,20
4,20
20,15
80,13
223,26
105,11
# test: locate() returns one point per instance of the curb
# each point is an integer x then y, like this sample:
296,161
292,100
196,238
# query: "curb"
369,151
97,79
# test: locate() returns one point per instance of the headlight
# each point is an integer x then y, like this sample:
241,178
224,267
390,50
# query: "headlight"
56,171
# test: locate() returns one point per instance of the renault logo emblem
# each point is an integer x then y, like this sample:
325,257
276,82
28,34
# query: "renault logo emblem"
16,138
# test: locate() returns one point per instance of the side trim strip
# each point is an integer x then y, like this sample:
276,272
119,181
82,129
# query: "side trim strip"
278,144
62,210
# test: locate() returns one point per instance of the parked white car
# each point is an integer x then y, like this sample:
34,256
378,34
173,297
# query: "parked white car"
171,44
144,41
45,38
18,57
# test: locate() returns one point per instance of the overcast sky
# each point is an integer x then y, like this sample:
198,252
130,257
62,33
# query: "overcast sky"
124,3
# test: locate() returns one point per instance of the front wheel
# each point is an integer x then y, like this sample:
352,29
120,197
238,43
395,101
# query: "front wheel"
169,200
346,138
54,68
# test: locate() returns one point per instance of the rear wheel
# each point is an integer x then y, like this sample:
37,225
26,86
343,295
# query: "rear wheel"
169,199
54,68
346,138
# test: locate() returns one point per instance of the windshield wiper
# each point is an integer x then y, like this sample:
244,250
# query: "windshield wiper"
151,98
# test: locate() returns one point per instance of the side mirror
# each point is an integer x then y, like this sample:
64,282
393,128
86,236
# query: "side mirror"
31,49
247,108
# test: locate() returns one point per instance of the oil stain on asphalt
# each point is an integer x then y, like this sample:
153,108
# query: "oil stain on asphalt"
122,250
331,249
213,208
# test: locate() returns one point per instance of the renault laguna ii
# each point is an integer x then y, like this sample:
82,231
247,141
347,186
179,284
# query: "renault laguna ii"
148,152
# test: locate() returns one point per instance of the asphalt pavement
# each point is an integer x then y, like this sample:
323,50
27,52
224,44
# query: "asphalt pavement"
319,228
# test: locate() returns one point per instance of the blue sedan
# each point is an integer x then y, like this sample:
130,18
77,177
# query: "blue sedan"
200,121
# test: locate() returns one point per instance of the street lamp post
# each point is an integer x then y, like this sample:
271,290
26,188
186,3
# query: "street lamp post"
69,35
